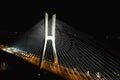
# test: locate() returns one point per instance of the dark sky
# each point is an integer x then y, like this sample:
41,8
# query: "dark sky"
91,17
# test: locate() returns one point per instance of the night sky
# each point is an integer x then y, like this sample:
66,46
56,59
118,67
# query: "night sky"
99,18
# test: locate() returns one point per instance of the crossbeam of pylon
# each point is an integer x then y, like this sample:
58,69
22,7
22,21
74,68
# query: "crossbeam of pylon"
52,37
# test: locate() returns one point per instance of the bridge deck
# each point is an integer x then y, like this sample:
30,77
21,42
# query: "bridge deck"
62,71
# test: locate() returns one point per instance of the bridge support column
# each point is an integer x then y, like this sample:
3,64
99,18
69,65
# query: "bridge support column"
52,38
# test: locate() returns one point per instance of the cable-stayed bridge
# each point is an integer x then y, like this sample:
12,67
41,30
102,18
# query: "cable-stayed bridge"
54,46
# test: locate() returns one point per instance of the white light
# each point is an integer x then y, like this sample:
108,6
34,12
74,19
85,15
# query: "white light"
4,49
8,48
9,51
98,75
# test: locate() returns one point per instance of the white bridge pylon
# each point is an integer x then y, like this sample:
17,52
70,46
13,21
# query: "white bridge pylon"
52,38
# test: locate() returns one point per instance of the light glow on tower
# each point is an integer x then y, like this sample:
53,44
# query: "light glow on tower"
52,37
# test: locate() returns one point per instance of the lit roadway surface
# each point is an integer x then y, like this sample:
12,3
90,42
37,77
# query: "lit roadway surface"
62,71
